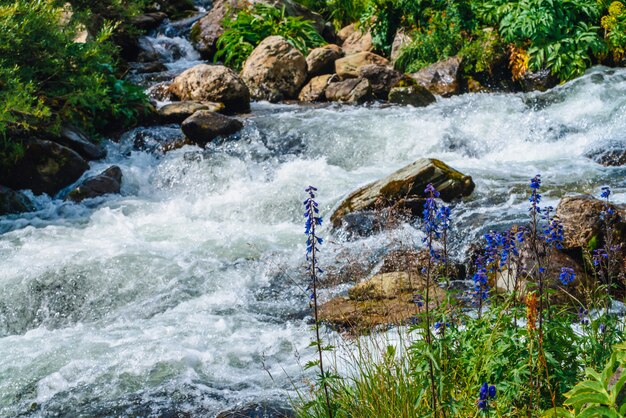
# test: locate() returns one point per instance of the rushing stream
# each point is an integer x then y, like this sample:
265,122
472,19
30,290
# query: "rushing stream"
174,296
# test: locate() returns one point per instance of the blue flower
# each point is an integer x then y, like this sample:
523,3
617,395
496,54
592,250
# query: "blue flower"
492,391
483,393
567,275
606,192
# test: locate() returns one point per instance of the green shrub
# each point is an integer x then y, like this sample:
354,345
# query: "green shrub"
340,12
244,32
48,79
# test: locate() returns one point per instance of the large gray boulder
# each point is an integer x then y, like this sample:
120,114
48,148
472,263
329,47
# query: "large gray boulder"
213,83
275,70
204,126
107,182
406,185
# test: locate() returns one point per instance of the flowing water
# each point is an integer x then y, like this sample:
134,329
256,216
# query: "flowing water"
176,296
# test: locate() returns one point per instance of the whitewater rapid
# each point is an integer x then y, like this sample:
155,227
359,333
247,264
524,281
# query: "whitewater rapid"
181,293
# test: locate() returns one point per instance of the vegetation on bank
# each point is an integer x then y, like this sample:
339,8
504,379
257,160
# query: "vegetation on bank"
550,347
48,78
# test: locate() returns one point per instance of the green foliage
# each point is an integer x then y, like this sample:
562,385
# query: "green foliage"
614,25
340,12
244,32
48,79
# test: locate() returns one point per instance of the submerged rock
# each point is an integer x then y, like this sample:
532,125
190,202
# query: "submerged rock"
417,96
107,182
354,90
12,201
442,78
260,410
315,89
213,83
349,66
204,126
45,167
322,60
177,112
275,70
405,185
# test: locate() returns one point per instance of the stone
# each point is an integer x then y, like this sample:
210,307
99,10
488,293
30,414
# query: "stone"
417,96
400,40
541,80
204,126
213,83
177,112
408,183
266,409
107,182
275,70
45,167
359,41
382,79
345,32
14,202
442,78
315,89
77,140
161,92
354,90
148,21
349,66
322,60
147,67
206,32
609,154
582,224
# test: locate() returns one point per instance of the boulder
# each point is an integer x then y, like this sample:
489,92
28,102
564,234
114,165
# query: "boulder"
275,70
417,96
148,21
358,41
14,202
382,79
442,78
175,9
349,66
400,40
345,32
161,92
147,51
385,299
177,112
315,89
213,83
107,182
206,32
541,80
45,167
322,60
353,90
204,126
611,153
582,222
76,139
406,185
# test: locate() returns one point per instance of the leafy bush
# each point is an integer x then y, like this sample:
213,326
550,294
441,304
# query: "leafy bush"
614,24
48,79
244,32
340,12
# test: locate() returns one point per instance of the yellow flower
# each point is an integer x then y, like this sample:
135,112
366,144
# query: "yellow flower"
616,9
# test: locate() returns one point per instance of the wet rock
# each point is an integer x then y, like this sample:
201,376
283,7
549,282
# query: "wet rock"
213,83
261,410
382,79
345,32
358,41
442,78
349,66
417,96
385,299
161,92
541,80
406,184
354,90
582,223
46,167
173,8
107,182
275,70
14,202
400,40
208,29
322,60
76,139
177,112
315,89
147,51
148,21
612,154
159,140
204,126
